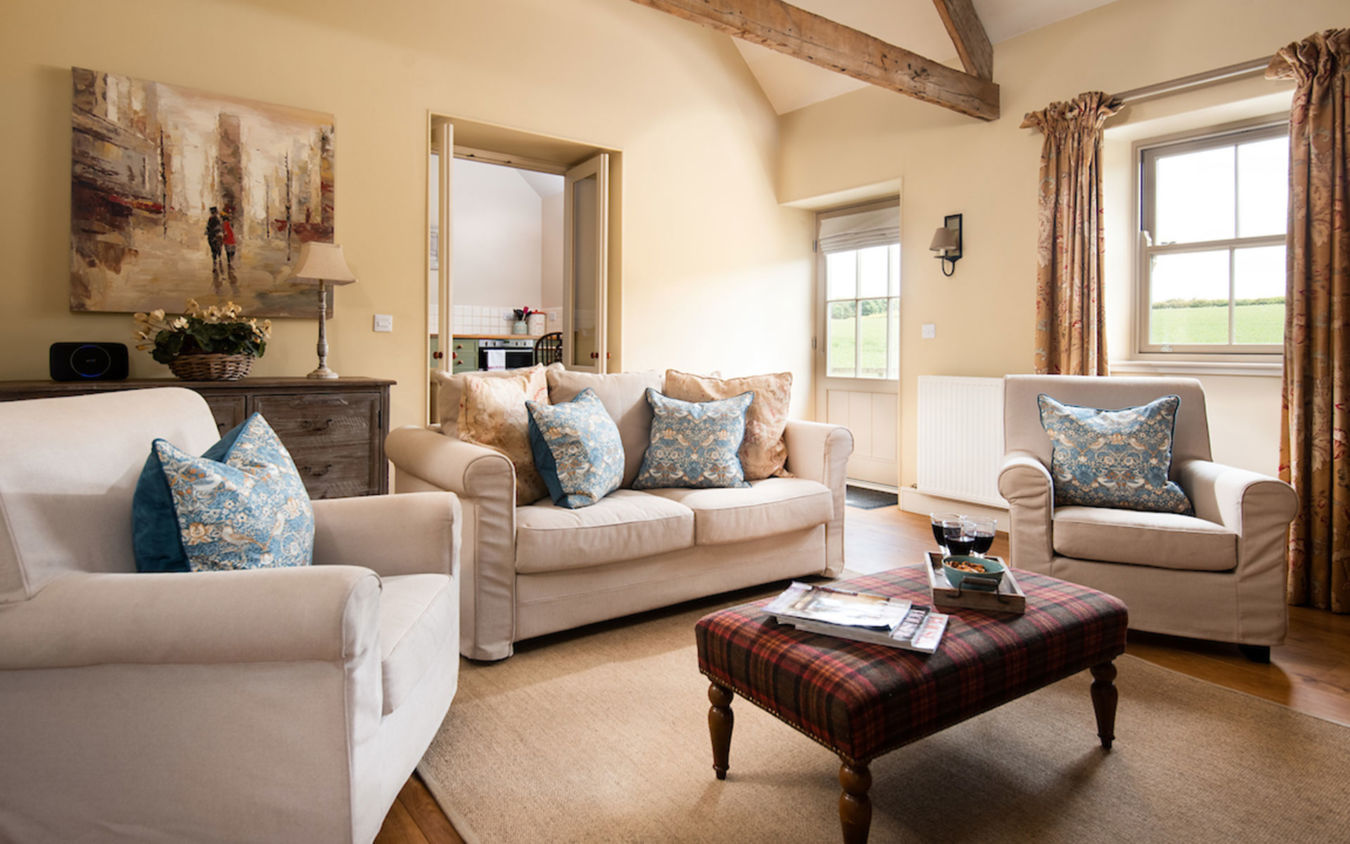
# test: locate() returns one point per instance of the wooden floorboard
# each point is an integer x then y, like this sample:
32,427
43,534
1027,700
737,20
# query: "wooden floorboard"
1309,672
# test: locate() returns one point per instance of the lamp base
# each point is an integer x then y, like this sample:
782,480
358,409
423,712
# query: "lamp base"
322,372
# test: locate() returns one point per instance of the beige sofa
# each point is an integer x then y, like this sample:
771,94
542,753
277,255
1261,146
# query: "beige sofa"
537,569
270,705
1219,574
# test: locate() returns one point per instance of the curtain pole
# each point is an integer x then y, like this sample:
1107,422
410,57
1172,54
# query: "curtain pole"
1195,80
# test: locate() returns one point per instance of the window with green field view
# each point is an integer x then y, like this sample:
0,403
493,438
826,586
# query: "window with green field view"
1213,219
862,305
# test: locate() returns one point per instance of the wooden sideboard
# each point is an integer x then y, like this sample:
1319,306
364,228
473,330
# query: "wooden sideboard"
334,429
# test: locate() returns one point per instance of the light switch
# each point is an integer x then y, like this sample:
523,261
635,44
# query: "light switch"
929,330
384,322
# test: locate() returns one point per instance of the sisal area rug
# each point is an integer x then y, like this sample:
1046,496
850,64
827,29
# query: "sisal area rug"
601,735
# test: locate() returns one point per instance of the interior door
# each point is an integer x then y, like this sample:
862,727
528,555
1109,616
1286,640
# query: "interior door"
585,264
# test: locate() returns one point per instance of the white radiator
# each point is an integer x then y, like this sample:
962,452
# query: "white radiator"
960,438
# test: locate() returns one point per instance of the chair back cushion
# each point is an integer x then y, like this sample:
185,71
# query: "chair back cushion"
68,470
1022,429
624,395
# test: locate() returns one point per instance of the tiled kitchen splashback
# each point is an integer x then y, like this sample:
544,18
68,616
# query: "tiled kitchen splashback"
489,319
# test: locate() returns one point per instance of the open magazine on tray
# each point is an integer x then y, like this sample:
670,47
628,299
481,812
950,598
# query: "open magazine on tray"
859,616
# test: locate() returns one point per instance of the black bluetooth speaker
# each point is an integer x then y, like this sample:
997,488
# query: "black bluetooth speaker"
88,361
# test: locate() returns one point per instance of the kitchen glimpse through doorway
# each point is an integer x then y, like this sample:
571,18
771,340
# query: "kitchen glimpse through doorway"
522,246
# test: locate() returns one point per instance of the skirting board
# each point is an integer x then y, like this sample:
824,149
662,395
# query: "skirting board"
913,501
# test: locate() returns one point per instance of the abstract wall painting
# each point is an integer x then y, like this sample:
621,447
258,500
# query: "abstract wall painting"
178,194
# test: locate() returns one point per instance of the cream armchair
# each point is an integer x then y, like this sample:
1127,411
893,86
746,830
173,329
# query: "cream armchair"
1219,574
269,705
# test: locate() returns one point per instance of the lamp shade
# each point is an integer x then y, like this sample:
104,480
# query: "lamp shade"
323,262
944,239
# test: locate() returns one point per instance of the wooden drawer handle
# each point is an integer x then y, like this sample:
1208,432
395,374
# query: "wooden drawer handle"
317,473
318,428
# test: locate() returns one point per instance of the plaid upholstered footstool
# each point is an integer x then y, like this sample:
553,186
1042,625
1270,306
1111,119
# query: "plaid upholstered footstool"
862,700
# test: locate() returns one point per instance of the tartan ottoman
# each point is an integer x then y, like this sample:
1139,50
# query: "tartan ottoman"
862,700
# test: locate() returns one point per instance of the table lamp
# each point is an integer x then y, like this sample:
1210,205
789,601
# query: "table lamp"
323,263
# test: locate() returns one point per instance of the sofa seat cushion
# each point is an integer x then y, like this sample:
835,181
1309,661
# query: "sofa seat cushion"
766,508
417,615
1164,540
624,525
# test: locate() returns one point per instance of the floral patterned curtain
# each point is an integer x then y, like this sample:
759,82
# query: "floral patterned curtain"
1315,442
1070,311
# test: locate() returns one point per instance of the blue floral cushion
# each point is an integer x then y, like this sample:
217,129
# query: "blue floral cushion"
241,505
694,444
1114,458
576,449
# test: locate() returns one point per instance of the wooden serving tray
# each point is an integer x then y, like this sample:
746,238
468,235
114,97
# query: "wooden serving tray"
1009,598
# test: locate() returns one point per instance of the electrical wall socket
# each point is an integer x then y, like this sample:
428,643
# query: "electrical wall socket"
929,330
383,322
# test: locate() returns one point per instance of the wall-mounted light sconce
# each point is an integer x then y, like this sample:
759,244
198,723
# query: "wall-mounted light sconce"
947,242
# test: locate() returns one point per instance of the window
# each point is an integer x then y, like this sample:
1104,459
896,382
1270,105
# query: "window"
1212,272
861,266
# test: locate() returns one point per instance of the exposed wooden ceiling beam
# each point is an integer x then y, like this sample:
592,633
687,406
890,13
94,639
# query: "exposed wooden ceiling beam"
972,43
820,41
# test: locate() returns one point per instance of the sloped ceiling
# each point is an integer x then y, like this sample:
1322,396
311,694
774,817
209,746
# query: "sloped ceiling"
791,83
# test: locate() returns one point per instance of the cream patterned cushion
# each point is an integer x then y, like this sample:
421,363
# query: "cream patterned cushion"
694,444
763,453
492,413
450,390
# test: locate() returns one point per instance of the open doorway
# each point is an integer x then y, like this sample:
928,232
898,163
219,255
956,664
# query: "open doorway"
519,221
507,261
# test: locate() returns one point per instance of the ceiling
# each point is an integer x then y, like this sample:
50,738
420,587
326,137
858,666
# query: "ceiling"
913,24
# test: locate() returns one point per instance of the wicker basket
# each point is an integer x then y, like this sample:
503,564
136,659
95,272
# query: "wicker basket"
210,367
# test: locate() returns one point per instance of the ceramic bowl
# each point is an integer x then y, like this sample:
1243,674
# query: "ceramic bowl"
993,571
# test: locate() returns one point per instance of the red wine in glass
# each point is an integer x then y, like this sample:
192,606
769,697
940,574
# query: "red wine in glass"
936,521
959,537
983,540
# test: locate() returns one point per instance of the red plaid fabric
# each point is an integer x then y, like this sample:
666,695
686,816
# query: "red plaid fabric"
862,700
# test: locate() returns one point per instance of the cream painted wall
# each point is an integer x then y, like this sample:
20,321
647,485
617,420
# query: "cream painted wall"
988,171
497,236
715,273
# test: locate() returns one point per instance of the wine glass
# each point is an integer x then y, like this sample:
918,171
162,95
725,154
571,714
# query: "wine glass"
983,531
936,520
959,535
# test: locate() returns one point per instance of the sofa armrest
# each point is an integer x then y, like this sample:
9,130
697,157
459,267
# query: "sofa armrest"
1024,481
819,452
485,482
1256,507
307,613
449,463
415,533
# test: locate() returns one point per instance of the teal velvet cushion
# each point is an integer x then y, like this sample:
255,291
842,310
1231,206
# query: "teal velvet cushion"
240,505
1114,458
576,449
694,444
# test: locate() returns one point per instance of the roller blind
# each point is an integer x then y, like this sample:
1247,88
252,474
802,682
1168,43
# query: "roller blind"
877,227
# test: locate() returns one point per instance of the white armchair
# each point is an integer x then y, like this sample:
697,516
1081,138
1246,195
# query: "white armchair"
267,705
1219,574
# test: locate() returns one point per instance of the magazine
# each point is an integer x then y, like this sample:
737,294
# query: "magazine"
859,616
825,605
921,631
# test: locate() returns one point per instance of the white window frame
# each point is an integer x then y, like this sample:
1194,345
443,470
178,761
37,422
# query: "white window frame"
1144,154
892,333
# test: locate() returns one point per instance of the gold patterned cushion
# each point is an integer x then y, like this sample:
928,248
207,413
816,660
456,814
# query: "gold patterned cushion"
763,452
450,390
492,413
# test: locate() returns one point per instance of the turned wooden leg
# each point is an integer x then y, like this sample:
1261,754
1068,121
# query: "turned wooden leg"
720,721
855,810
1104,697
